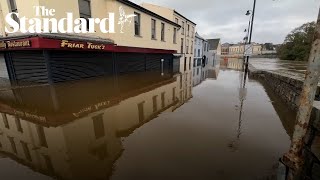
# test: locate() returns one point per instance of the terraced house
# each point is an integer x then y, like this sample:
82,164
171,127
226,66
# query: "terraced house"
185,37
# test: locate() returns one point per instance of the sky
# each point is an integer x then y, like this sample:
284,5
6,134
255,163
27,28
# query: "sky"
226,19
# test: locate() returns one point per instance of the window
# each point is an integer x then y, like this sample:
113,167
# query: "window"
18,124
189,63
5,120
13,145
175,35
162,31
181,45
187,46
199,55
182,27
191,50
85,10
174,94
155,103
141,111
137,24
188,30
26,150
13,8
98,126
163,104
185,64
153,29
192,32
42,136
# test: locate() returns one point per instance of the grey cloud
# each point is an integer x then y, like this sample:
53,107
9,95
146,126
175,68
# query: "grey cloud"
225,19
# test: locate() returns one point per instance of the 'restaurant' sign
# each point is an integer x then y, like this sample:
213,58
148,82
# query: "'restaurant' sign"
81,45
15,44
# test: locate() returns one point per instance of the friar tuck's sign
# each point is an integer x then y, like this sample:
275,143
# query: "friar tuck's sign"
81,45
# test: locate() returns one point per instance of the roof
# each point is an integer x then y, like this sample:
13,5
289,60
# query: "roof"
184,17
174,11
142,9
199,37
213,44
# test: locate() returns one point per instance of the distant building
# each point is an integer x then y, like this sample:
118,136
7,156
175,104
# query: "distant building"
201,56
238,49
225,48
215,51
184,36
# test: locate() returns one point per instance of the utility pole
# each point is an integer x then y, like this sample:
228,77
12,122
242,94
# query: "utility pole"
251,29
293,158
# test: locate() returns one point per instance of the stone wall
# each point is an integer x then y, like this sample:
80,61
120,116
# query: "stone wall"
287,87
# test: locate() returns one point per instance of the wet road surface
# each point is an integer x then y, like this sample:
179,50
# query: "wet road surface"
155,131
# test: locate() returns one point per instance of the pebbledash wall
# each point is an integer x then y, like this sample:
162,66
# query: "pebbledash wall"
287,87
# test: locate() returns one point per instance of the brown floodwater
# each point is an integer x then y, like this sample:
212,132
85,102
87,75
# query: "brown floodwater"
144,127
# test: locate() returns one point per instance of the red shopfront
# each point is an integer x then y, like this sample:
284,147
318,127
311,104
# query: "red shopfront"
49,59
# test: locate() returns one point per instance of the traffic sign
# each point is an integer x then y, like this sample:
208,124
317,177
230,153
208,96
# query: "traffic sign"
248,50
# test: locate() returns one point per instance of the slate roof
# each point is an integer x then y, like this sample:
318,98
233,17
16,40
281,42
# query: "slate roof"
213,44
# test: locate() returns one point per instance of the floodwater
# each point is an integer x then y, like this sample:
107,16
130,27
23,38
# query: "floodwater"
279,65
145,127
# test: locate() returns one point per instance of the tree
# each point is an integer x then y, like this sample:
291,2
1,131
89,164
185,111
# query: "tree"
297,44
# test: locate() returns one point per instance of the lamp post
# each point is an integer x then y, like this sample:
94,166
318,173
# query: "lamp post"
251,28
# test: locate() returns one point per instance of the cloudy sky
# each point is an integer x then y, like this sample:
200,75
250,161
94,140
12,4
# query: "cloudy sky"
225,19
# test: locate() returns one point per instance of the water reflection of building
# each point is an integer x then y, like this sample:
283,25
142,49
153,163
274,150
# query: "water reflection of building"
203,72
76,133
232,63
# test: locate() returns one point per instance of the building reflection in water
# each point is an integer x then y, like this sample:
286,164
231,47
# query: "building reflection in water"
232,63
74,130
204,69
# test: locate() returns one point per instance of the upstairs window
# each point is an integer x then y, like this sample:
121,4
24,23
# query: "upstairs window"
153,29
13,8
191,50
182,28
175,35
192,32
85,10
188,34
137,24
162,31
187,46
181,45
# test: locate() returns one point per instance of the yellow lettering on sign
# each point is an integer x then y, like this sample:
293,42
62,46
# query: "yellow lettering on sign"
13,44
66,43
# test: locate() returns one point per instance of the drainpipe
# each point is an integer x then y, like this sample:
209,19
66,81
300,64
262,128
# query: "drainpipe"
294,158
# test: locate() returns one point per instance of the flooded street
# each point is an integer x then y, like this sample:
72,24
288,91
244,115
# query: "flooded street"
205,139
146,130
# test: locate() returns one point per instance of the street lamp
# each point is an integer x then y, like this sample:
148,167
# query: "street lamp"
249,12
